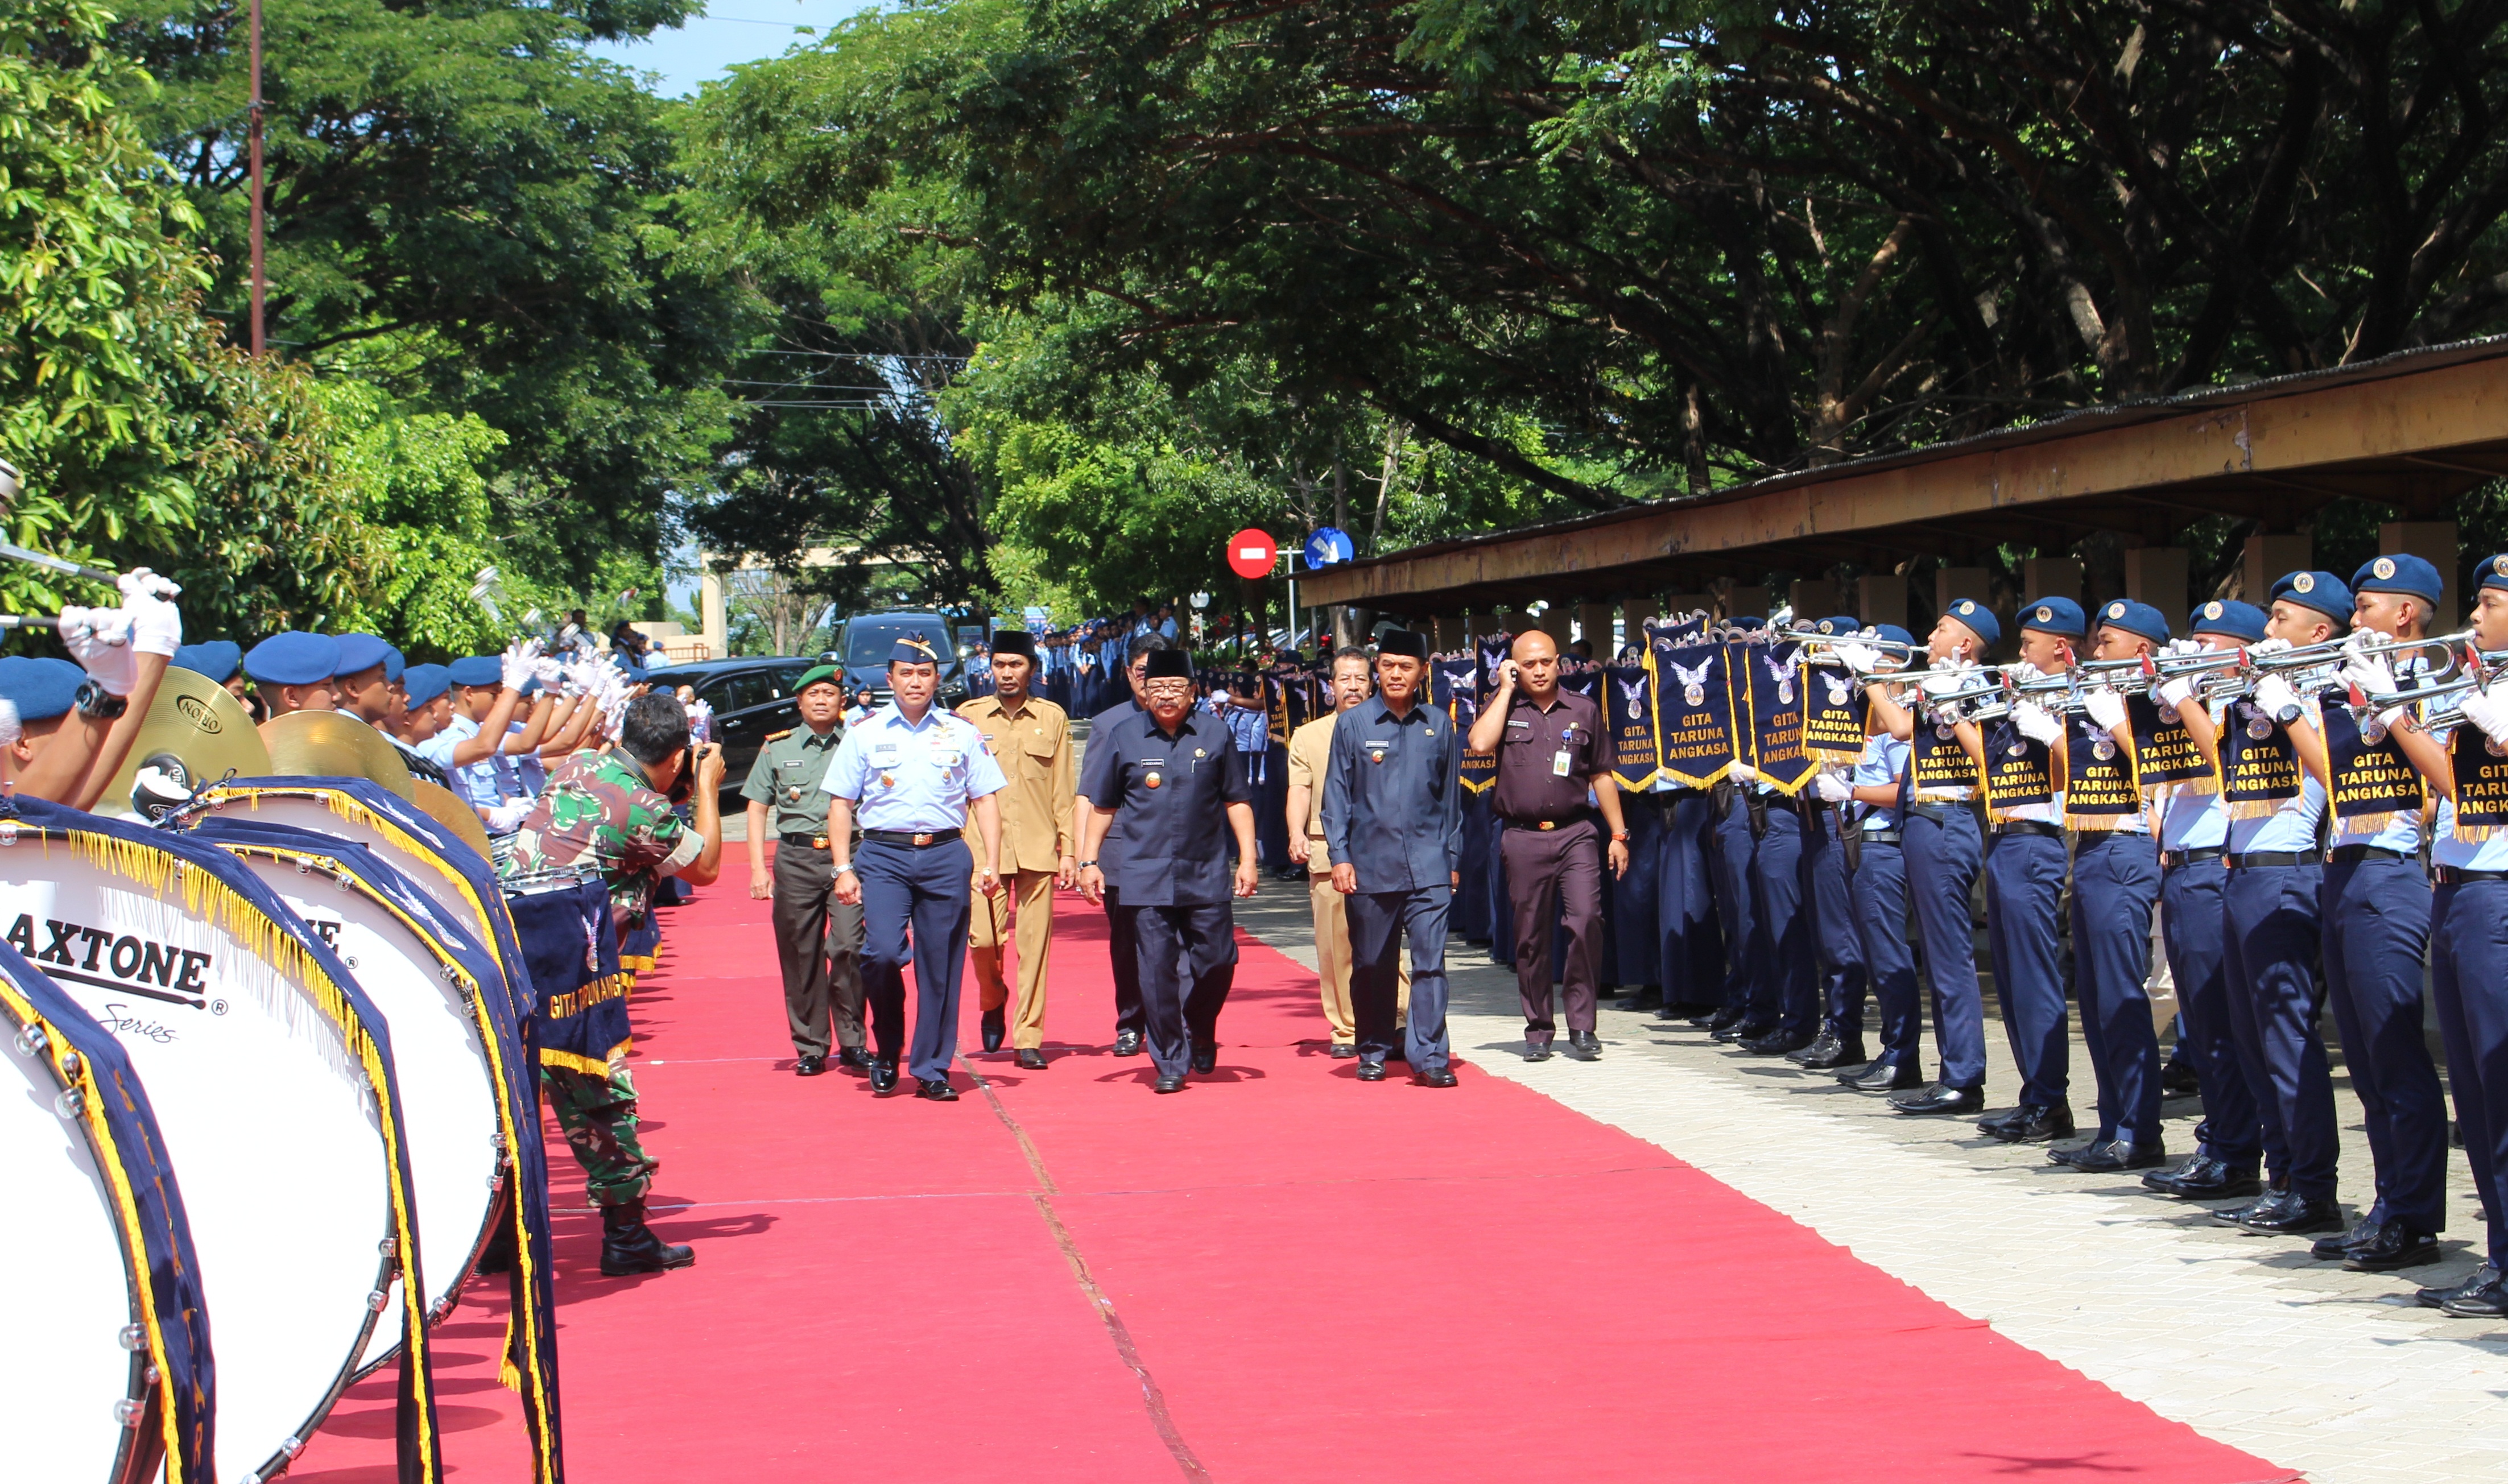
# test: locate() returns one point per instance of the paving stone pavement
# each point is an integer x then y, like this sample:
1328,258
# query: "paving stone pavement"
2244,1338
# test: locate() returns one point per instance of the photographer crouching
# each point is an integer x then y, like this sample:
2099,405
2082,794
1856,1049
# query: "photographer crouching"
612,813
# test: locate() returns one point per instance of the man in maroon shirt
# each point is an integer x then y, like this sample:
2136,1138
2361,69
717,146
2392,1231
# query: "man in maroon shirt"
1552,750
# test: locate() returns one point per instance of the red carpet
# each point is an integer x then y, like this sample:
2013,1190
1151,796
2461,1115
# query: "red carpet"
1316,1279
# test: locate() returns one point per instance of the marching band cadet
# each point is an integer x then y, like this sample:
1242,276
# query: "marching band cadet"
2023,759
1031,739
2193,866
2376,924
293,670
2469,944
1762,839
1836,940
2115,880
1940,850
1878,785
2273,767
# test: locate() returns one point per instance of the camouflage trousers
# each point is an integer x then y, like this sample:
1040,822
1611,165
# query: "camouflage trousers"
599,1116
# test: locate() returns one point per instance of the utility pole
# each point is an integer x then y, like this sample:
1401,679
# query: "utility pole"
253,135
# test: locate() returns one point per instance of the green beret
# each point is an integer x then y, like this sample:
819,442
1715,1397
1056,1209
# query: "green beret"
813,676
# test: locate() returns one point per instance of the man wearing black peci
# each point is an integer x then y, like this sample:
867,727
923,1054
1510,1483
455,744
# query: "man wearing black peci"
1119,943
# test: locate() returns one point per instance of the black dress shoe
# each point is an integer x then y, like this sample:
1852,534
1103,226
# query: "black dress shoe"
1167,1084
1128,1043
810,1066
935,1090
1205,1057
2339,1247
1822,1045
1887,1077
1435,1077
2487,1302
2114,1156
2030,1125
1720,1018
1370,1069
1941,1097
1744,1031
1843,1053
2298,1216
1776,1043
2236,1216
996,1024
852,1056
2396,1245
2178,1080
1993,1125
2204,1177
1536,1051
883,1076
1341,1049
1031,1058
2435,1298
1585,1045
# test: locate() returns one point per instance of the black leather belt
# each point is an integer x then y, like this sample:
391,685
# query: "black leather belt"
2029,827
806,841
910,839
2255,857
1883,838
2458,876
1561,823
2170,859
2346,855
1938,814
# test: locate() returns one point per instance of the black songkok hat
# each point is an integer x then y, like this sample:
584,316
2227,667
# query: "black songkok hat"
1168,664
1402,642
1014,642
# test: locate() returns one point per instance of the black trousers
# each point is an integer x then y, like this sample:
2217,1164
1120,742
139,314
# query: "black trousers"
819,941
1379,921
1125,955
1185,966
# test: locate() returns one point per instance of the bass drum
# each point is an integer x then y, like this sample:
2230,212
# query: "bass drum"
405,958
268,1111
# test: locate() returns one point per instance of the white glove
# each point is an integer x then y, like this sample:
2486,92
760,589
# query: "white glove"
2183,647
1832,787
2488,710
2173,693
2274,697
157,625
99,640
1863,660
1744,772
2034,724
549,673
2269,647
140,582
2106,708
1940,684
12,729
510,815
517,662
2371,673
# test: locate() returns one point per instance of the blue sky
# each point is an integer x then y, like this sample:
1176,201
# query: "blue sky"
736,31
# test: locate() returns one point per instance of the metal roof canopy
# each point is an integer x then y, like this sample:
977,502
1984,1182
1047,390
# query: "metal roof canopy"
2413,430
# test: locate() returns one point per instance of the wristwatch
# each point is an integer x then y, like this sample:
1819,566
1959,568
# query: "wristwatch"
844,867
1619,836
1086,864
94,700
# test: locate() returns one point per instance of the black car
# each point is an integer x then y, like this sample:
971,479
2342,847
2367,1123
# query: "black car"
865,640
752,699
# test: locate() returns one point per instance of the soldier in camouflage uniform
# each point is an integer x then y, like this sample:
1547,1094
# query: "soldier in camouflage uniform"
610,812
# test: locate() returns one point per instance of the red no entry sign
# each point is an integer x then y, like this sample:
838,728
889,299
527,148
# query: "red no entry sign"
1251,553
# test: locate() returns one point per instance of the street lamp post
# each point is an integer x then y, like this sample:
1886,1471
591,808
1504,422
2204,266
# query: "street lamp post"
252,132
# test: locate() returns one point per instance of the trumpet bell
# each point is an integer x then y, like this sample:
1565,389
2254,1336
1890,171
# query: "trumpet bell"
196,732
326,744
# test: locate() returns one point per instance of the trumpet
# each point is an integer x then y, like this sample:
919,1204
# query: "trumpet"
1825,645
2468,668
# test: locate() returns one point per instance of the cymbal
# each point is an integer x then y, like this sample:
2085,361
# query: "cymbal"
327,744
196,732
441,806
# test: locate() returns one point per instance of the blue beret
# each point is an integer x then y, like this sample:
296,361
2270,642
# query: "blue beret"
1843,623
2242,622
1978,618
2322,591
2494,571
395,663
531,687
361,651
912,649
424,683
1893,633
293,658
2139,619
1748,621
2061,617
216,658
40,688
477,669
2403,573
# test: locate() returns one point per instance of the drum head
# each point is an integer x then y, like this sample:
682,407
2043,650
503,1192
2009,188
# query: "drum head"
308,810
267,1112
448,1087
57,1390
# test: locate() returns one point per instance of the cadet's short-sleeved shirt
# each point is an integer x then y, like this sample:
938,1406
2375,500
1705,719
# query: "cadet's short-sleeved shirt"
1546,757
912,775
1171,792
601,812
1393,797
786,779
1033,747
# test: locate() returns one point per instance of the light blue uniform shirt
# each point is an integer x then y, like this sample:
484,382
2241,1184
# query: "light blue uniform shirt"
2192,820
482,784
913,777
2464,855
1883,764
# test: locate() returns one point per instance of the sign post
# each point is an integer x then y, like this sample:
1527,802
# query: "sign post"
1251,554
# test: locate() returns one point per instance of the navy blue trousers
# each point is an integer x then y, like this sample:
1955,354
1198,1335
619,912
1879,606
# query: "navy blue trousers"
921,895
1629,904
2469,980
1729,856
1942,862
1271,810
1379,922
2192,933
1124,953
1880,893
2024,885
2115,880
1688,933
1784,983
1187,965
1473,919
1837,943
2376,915
2269,915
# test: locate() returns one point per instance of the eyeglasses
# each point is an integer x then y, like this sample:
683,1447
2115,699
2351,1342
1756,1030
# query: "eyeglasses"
1168,687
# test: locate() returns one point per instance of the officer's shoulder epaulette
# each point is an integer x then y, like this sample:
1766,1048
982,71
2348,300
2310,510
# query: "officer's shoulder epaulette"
778,736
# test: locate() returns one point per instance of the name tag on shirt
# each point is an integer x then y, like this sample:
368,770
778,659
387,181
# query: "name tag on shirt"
1376,747
883,754
1526,725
